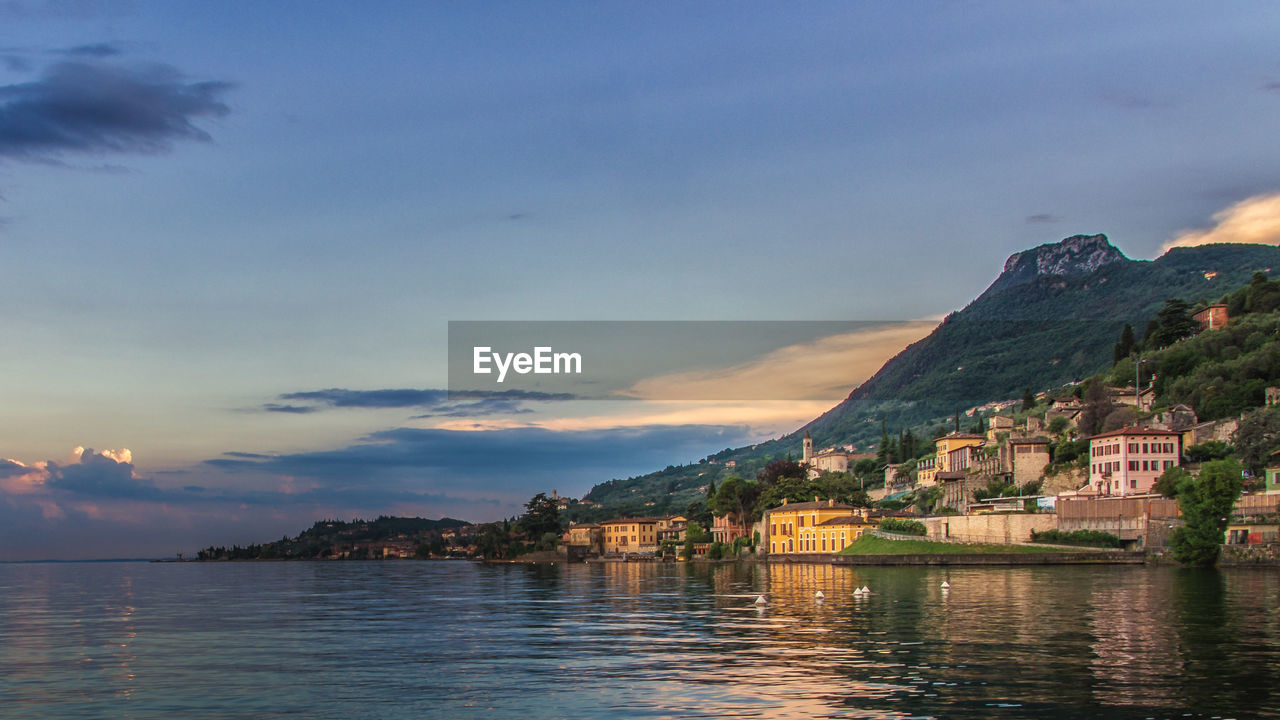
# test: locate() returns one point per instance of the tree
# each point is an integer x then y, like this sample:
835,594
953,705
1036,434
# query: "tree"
736,498
1175,322
1170,482
1029,400
1097,406
1206,505
1127,343
1149,335
1211,450
1257,437
1058,424
697,512
778,470
541,517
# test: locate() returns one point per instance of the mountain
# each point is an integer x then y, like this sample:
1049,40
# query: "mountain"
1051,317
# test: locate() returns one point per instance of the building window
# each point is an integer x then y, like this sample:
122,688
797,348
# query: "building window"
1168,464
1133,447
1133,483
1133,465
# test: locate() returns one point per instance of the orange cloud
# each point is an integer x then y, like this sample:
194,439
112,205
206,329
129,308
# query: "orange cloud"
1255,220
825,369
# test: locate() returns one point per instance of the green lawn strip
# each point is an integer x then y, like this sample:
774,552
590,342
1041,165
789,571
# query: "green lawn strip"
872,545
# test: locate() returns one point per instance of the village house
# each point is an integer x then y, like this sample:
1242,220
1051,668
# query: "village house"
1029,457
1128,461
1213,317
672,529
587,536
630,535
829,460
724,530
943,458
793,527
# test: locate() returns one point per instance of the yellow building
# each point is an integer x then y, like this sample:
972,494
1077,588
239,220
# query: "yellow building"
822,526
631,535
943,446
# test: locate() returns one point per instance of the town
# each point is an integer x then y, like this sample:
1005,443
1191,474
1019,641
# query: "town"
1128,470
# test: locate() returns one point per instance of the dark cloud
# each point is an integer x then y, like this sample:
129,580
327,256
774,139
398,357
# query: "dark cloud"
295,409
247,455
99,476
515,460
15,63
1042,218
479,408
95,107
95,50
9,468
1272,86
435,403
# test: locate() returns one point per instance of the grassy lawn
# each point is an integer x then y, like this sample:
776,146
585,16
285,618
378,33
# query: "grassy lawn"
872,545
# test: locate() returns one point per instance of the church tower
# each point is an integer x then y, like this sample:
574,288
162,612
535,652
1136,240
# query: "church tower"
808,447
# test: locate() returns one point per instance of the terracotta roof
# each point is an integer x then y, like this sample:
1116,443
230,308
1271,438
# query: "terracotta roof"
1133,431
634,521
847,520
821,504
963,436
1030,441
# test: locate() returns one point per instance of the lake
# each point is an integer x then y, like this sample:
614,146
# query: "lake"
458,640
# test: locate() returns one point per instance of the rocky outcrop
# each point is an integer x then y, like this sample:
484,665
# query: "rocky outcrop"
1074,255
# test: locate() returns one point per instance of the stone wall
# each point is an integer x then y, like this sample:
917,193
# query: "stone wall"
1065,481
997,528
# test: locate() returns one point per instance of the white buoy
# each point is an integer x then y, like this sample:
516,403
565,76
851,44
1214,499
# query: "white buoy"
866,590
857,591
946,585
819,595
760,600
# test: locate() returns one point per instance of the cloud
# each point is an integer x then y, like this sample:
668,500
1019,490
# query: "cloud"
404,463
94,50
1272,86
828,368
435,403
1042,218
15,63
294,409
1253,220
88,107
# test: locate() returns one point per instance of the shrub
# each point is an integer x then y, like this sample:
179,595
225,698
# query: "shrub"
904,527
1083,538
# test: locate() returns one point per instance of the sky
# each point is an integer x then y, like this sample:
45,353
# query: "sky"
234,234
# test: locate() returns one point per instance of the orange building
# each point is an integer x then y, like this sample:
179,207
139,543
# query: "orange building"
822,526
631,535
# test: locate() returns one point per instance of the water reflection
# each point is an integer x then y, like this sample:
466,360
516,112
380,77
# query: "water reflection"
453,639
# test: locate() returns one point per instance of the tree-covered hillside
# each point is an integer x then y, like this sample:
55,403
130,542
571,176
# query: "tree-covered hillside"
1051,318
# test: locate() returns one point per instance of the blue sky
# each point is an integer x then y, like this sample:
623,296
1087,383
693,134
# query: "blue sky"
208,207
